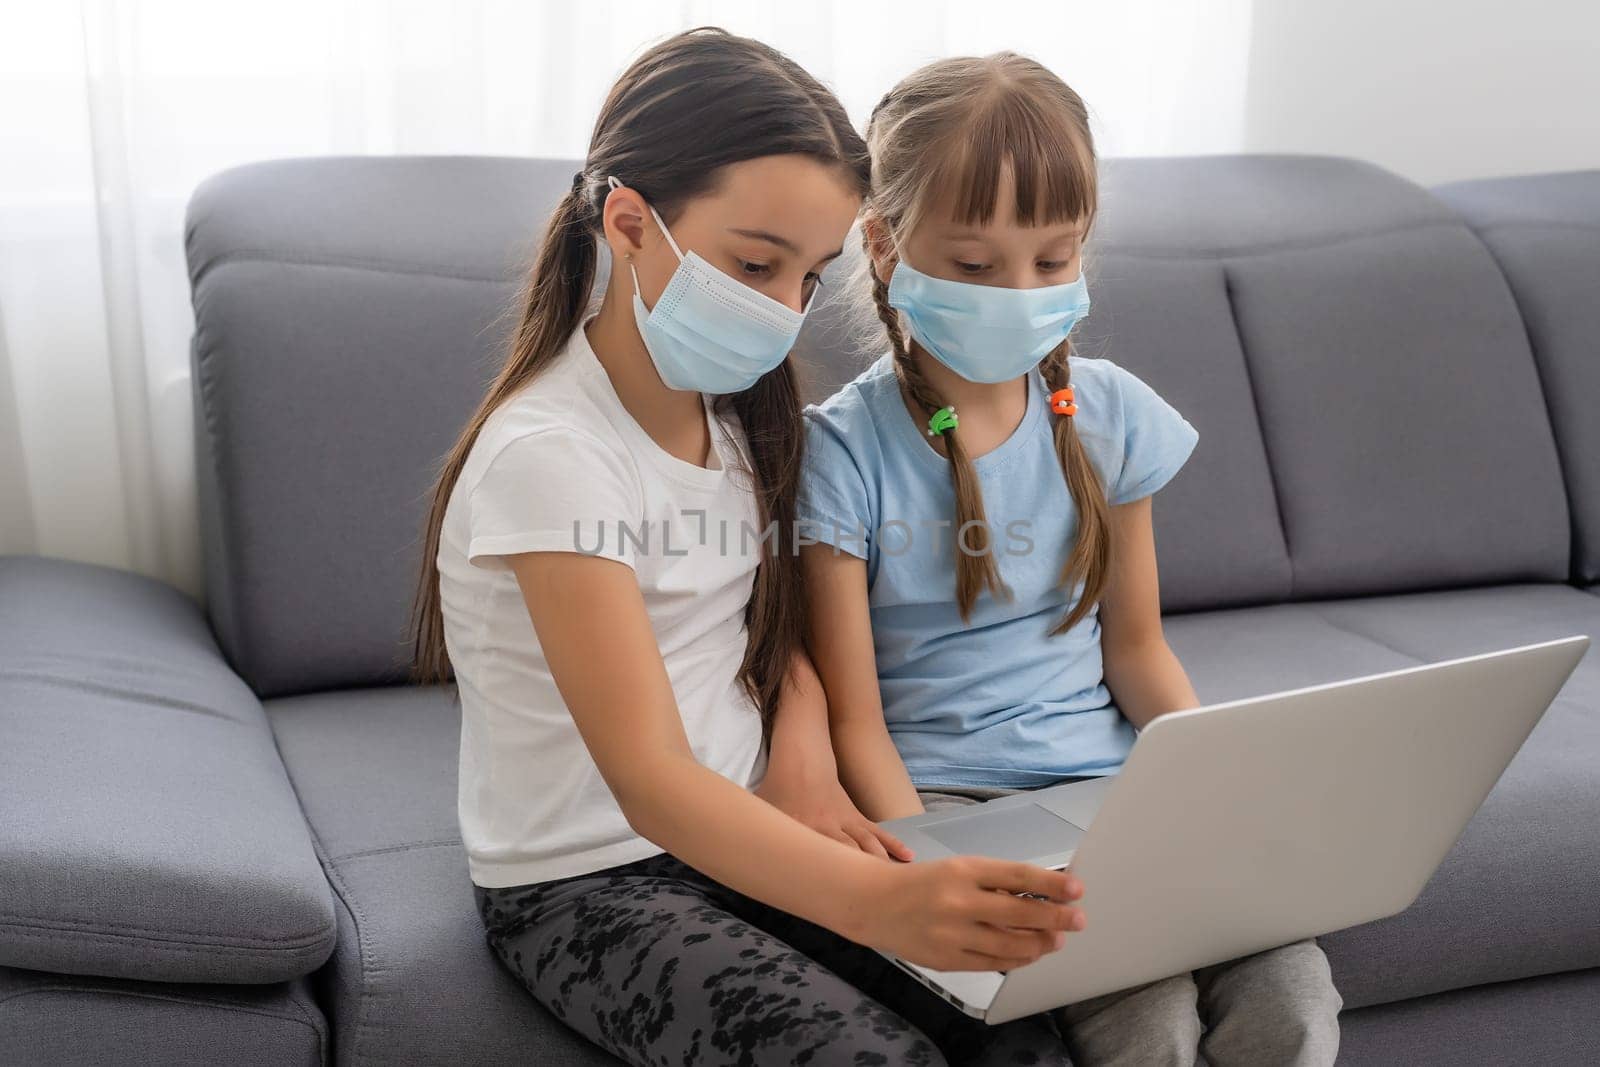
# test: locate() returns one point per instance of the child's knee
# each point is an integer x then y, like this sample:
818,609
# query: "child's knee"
1156,1023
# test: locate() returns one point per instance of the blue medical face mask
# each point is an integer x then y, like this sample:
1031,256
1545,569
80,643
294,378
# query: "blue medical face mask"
709,332
983,332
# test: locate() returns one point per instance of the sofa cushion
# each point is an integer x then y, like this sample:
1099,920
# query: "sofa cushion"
1340,339
1544,232
1380,344
147,828
338,354
348,318
56,1020
376,771
412,979
1515,896
1549,1020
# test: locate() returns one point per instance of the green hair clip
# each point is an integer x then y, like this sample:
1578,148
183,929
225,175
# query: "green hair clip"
942,420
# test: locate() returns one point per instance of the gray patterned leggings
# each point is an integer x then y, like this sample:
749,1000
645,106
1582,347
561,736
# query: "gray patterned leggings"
658,964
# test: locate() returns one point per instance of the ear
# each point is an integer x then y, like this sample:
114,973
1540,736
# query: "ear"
623,219
880,246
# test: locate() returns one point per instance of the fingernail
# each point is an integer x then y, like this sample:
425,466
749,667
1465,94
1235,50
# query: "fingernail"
1061,939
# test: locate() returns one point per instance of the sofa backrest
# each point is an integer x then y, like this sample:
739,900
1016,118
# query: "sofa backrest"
1369,412
1544,232
1374,414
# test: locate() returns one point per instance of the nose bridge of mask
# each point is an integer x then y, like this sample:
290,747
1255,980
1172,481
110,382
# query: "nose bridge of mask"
752,303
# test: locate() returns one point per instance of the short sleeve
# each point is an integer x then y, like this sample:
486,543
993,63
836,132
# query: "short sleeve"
833,505
555,490
1156,440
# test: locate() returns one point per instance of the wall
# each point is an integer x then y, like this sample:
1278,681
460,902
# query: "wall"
1434,90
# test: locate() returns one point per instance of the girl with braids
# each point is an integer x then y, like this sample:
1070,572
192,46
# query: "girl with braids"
976,526
658,843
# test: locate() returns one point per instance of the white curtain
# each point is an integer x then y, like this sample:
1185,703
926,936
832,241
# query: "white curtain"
111,111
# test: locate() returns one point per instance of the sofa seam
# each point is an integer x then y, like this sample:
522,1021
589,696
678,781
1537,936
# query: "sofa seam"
357,920
368,265
1568,496
410,846
320,1032
1261,426
203,354
342,895
1305,244
16,926
106,689
1531,224
1317,610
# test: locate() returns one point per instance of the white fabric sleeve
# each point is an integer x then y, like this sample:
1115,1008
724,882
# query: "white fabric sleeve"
553,490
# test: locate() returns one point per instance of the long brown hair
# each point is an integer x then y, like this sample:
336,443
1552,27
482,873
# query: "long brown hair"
965,125
695,102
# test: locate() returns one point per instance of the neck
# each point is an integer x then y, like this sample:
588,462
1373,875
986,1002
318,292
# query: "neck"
673,418
979,398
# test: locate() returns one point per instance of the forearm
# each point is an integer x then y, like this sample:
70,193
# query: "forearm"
1146,681
800,742
731,835
871,770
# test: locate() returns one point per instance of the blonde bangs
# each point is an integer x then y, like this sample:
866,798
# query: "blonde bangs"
1011,133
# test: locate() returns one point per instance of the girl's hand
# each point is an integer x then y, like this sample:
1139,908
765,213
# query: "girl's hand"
818,800
963,914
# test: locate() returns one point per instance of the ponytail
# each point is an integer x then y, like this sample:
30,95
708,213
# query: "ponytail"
554,296
976,567
1090,559
694,103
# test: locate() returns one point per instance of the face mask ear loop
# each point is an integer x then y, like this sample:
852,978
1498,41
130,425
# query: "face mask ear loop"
612,182
667,233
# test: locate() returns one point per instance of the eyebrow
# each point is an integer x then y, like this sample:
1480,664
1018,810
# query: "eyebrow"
781,242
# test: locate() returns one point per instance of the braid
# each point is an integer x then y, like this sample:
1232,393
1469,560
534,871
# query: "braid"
1090,558
976,569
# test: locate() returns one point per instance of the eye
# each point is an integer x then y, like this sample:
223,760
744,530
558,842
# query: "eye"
1050,266
969,268
755,270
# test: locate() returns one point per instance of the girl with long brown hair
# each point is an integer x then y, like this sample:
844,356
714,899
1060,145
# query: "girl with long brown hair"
985,607
611,576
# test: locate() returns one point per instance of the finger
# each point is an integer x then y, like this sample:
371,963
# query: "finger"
1026,878
1010,944
896,847
1003,909
979,961
867,841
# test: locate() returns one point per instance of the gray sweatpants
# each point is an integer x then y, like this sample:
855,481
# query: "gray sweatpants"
1277,1007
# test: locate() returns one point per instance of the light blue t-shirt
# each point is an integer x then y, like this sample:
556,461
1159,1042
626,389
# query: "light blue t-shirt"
997,701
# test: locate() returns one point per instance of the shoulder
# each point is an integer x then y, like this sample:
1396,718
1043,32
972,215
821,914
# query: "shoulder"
552,427
854,411
1111,395
844,455
1101,376
1139,439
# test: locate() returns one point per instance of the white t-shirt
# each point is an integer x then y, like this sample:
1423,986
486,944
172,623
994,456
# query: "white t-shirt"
562,466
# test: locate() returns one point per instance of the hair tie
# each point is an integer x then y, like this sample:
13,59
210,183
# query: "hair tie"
1061,402
577,181
942,420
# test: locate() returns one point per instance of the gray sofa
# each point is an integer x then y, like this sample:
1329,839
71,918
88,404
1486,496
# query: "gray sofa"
227,832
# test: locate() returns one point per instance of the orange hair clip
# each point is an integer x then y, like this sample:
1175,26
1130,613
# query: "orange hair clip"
1061,402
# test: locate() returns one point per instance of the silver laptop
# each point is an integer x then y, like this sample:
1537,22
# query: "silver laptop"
1241,826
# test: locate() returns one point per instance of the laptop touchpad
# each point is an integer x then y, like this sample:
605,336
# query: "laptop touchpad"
1023,832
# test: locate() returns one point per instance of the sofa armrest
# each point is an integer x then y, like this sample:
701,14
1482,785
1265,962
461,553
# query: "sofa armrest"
149,829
